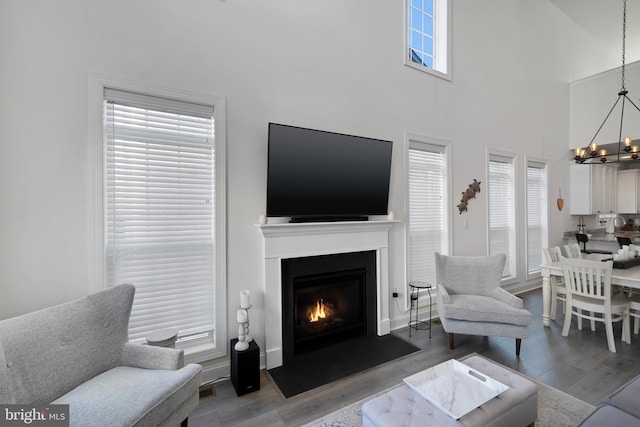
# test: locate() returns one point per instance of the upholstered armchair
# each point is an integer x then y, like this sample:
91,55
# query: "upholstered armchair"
471,301
77,354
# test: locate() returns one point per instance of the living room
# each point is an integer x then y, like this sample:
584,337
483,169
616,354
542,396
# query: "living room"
334,66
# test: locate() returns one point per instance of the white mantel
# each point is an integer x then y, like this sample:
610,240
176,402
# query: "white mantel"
284,241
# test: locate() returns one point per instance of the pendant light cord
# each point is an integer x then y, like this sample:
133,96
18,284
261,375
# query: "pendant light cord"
624,36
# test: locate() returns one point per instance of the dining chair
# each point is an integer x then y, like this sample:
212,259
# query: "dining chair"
588,285
573,250
558,291
634,311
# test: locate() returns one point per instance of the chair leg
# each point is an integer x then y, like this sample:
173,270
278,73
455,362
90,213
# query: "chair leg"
567,321
610,338
185,422
451,341
626,328
593,322
636,325
518,342
554,298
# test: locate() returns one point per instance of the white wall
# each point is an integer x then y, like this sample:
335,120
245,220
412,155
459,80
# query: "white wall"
333,65
591,100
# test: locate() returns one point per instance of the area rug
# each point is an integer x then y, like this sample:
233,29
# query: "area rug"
328,364
555,409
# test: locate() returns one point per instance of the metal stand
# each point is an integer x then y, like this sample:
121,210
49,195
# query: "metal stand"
414,322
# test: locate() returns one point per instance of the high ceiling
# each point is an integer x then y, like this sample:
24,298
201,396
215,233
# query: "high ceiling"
603,20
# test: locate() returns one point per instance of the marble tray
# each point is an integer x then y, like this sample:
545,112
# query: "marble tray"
455,388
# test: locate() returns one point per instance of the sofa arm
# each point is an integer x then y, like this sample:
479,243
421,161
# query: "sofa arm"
442,293
507,298
151,357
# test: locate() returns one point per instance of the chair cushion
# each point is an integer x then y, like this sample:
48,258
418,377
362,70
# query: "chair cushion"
470,274
126,396
478,308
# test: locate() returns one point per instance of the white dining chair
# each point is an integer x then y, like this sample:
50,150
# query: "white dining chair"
572,250
558,291
634,311
588,285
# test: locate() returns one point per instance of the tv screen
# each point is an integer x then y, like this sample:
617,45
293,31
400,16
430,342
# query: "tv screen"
314,174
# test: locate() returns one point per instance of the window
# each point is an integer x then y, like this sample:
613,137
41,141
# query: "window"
161,217
427,32
537,218
428,206
502,211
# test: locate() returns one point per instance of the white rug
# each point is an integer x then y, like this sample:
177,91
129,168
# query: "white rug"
555,408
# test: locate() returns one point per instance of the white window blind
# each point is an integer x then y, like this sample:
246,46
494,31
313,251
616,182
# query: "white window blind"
536,214
160,211
427,209
502,210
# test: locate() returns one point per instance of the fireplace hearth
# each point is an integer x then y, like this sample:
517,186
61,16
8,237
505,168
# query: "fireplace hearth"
326,300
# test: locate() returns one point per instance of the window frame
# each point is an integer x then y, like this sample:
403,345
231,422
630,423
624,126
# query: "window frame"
512,256
442,23
97,270
415,140
544,232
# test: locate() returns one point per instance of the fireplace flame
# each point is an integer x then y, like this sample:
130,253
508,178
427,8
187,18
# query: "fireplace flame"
319,312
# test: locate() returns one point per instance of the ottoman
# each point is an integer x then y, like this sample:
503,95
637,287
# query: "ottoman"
403,407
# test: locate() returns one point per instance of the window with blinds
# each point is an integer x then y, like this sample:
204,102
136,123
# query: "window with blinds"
536,214
502,211
428,227
159,206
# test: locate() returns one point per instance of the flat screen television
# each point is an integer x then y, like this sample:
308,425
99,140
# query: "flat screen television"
315,175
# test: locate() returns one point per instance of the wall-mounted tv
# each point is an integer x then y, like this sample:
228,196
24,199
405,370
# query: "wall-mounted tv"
316,175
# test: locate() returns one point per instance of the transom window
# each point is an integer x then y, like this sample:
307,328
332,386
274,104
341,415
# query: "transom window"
427,46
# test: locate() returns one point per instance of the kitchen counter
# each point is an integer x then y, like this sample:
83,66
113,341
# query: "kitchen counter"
599,240
600,236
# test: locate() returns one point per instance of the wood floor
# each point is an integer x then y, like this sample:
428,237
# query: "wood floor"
580,365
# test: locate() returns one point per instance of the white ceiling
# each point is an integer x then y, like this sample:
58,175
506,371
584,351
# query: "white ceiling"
603,20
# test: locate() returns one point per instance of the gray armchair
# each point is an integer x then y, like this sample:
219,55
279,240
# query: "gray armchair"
77,354
471,301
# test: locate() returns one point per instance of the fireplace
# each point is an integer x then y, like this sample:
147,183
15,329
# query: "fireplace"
284,241
327,299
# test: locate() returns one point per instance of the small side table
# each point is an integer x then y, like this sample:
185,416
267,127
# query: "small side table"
414,322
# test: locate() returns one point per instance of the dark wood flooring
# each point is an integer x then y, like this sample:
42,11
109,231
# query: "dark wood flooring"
580,365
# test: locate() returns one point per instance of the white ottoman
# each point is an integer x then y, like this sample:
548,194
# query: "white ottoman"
402,407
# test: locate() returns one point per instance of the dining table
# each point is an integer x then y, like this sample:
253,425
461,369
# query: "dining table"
629,277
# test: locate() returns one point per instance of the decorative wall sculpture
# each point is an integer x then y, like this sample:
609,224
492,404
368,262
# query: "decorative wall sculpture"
468,194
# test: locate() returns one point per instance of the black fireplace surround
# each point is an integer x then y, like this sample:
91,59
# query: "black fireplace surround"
327,299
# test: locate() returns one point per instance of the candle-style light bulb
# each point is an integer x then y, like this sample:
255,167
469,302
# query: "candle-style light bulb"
627,143
594,148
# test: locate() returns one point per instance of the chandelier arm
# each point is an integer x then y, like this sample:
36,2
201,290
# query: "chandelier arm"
620,131
632,103
605,119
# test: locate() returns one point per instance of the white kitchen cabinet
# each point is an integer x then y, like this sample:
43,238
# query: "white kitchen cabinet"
593,189
629,191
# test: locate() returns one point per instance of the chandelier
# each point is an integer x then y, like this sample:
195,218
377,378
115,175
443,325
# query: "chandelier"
626,150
